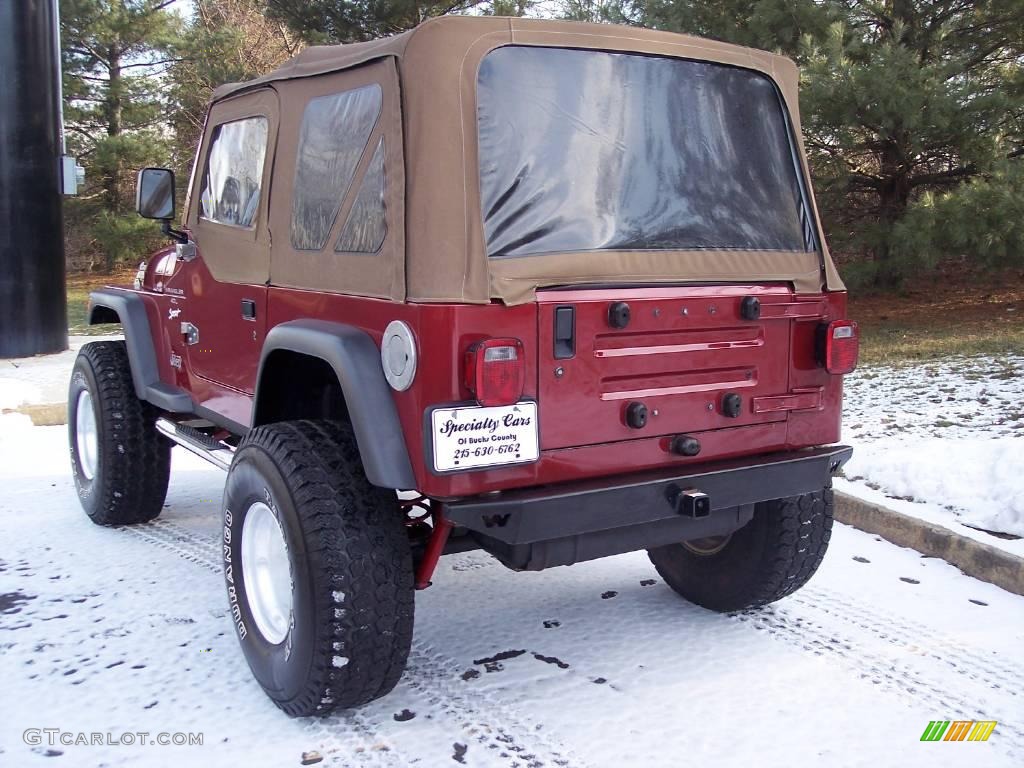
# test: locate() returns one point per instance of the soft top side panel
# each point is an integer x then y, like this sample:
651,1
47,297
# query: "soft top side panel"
380,274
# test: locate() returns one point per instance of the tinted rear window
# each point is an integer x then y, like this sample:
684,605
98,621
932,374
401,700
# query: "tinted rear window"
589,150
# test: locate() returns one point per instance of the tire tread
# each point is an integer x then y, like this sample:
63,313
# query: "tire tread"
355,540
136,459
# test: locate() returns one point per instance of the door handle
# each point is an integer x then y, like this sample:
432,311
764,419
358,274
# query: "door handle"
191,333
565,333
248,309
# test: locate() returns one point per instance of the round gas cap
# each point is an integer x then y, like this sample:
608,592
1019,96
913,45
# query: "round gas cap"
398,355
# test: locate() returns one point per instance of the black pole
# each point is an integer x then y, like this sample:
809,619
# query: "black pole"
33,306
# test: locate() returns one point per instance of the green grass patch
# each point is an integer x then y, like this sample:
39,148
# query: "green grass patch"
78,289
892,343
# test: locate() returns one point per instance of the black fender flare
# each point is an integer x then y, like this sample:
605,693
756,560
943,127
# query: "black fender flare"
130,310
355,359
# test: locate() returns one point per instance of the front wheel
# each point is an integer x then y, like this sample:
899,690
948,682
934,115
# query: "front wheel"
770,557
318,568
120,463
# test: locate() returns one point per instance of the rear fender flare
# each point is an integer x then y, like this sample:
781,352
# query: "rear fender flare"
355,359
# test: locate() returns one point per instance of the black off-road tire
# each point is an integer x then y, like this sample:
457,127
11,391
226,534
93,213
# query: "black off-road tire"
770,557
133,460
351,568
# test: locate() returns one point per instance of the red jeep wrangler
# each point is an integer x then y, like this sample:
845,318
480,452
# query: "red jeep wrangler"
565,283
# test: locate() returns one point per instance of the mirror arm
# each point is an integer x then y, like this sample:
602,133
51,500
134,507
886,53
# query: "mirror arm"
175,234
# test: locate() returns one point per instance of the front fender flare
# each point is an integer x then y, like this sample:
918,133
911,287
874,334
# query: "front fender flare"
355,360
139,341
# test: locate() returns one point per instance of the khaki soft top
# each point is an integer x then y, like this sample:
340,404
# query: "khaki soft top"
445,256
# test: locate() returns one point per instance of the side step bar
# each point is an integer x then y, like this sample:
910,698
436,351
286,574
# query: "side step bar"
199,443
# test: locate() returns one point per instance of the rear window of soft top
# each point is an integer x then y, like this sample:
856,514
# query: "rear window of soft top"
589,150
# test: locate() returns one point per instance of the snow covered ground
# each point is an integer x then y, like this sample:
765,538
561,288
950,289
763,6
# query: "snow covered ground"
942,441
125,631
42,379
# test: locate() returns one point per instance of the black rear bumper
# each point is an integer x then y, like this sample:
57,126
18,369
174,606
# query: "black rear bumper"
537,528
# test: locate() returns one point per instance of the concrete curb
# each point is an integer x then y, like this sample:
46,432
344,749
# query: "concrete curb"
974,558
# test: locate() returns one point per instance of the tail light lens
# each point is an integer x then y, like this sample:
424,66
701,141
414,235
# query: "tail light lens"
840,346
495,371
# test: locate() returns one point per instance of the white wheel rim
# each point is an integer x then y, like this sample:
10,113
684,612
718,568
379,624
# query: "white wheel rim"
266,573
86,434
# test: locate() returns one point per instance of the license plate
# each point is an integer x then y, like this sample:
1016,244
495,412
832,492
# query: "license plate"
472,437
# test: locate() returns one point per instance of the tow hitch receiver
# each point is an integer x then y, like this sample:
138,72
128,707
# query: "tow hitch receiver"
688,502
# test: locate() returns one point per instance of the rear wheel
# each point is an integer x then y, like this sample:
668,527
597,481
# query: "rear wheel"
120,463
318,568
770,557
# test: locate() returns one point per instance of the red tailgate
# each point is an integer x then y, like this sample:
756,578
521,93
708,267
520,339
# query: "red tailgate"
686,354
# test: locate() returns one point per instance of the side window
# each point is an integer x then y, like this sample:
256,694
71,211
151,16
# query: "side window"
234,172
365,228
333,136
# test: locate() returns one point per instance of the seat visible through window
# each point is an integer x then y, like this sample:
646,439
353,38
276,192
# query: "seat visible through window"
234,172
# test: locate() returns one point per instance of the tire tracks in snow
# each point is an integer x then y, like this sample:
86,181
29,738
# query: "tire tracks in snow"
336,750
990,671
890,674
508,739
179,541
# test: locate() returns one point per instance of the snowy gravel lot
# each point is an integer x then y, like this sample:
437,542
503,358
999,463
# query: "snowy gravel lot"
126,630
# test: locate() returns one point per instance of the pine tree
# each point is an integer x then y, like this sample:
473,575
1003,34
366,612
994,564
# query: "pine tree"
603,11
114,53
225,41
913,108
775,25
342,21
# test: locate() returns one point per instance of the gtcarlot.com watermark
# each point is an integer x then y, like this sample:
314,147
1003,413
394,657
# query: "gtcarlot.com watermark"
53,737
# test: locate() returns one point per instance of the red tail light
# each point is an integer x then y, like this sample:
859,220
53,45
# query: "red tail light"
495,370
841,345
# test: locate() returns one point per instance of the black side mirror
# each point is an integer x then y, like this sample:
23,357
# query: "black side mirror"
154,194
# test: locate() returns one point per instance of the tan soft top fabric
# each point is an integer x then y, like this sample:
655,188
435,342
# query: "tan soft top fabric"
446,260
